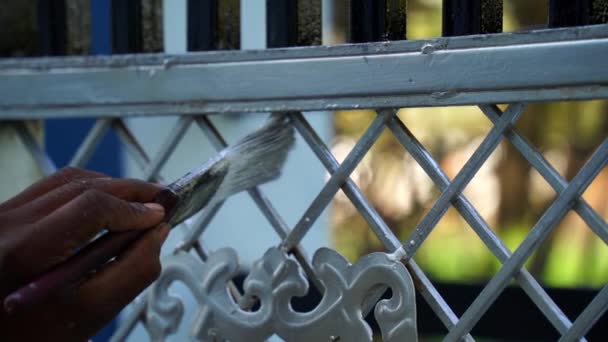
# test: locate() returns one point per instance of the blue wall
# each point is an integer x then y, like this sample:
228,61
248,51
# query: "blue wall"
63,136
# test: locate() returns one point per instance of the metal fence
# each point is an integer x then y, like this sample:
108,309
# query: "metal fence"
484,70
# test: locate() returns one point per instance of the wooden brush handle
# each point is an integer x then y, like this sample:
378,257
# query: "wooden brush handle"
70,272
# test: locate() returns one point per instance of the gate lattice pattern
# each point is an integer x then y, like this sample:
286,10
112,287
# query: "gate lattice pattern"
569,198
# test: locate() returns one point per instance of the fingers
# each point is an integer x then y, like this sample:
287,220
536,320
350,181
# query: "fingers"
95,210
80,314
102,297
57,236
45,185
127,189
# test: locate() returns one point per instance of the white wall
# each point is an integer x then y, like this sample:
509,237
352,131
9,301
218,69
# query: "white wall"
19,169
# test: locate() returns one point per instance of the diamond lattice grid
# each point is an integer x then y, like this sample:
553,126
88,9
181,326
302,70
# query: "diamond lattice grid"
475,220
569,198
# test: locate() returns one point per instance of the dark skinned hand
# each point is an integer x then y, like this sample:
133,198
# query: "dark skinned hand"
48,222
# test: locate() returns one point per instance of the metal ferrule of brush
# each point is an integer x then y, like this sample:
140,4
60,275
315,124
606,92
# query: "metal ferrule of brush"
192,192
253,160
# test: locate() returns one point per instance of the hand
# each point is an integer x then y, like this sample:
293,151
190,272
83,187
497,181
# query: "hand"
48,222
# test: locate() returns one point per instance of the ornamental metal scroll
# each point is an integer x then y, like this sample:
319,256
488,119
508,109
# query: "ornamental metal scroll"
274,280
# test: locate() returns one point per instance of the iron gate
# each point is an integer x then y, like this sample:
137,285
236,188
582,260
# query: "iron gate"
483,70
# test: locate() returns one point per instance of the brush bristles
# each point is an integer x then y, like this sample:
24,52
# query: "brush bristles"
257,158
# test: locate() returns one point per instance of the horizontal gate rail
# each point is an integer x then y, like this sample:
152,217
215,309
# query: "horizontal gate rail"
481,70
533,66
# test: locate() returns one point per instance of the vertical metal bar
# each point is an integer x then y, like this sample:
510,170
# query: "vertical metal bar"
52,28
377,20
202,25
229,28
599,12
461,17
563,13
309,23
491,16
78,20
396,20
368,20
126,26
465,17
151,15
281,23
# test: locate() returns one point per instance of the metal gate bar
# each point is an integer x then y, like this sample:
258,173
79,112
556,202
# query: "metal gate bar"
377,224
557,182
538,233
479,225
481,70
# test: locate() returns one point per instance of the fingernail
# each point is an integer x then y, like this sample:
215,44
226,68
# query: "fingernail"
155,207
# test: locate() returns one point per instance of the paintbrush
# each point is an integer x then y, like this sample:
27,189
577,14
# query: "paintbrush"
255,159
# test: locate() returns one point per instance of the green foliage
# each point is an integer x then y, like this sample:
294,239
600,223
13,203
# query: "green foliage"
508,194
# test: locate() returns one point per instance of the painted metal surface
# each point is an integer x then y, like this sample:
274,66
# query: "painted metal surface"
569,198
482,70
451,71
273,281
539,232
194,229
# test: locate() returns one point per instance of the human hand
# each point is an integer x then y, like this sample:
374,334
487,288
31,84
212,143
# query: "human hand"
52,219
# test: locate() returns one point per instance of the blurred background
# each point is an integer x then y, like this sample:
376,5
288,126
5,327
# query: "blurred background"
508,193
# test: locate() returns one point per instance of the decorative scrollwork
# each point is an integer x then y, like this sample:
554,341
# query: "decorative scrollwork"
274,280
